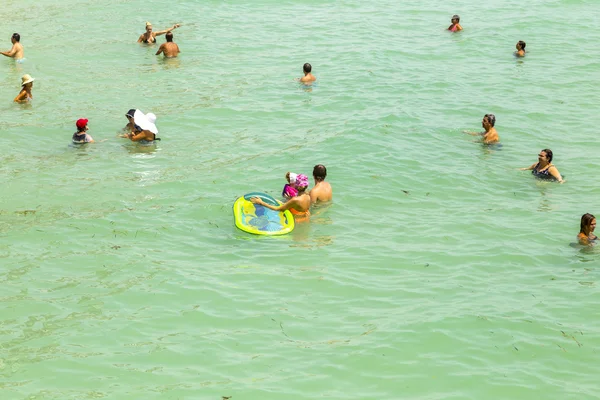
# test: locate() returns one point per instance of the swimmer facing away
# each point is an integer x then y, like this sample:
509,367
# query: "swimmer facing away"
586,235
490,135
26,85
520,49
308,77
298,205
321,192
81,136
16,51
544,169
149,37
170,48
455,27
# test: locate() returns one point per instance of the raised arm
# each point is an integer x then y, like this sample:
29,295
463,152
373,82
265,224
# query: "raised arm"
166,30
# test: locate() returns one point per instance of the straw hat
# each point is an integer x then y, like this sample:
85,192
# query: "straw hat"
26,79
146,122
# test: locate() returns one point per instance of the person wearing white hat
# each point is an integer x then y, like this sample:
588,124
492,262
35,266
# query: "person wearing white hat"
26,85
144,127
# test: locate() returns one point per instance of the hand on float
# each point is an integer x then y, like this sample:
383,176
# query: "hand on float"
256,200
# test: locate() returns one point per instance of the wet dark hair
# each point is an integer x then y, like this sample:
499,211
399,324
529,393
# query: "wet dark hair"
16,36
169,36
548,154
522,44
319,172
491,119
456,17
586,220
307,67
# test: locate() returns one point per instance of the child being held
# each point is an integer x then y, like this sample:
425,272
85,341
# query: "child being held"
289,190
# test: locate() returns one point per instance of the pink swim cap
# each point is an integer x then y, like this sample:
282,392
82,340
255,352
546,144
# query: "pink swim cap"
301,181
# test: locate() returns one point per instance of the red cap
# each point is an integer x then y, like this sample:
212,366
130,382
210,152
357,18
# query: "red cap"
81,123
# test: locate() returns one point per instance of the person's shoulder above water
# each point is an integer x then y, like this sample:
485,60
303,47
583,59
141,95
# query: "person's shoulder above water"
586,235
520,49
143,127
489,135
149,36
16,51
308,76
170,48
81,136
544,169
25,94
322,191
455,27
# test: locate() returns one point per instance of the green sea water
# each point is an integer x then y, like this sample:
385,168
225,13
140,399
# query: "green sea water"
440,271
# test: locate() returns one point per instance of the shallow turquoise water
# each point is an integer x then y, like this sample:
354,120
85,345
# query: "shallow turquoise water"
439,272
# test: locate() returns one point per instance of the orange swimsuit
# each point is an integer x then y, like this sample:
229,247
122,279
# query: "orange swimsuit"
300,216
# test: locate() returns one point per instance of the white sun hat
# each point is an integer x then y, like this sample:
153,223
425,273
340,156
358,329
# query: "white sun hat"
146,122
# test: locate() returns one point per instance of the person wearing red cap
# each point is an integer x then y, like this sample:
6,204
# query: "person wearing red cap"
81,136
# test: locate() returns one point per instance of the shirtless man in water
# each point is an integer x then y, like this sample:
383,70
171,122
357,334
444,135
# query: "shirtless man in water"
321,192
17,49
308,77
169,49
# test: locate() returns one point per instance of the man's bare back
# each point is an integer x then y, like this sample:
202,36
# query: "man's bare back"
321,192
308,78
169,48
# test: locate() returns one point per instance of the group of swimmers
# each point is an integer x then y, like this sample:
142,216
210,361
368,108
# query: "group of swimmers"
299,200
543,169
142,128
169,49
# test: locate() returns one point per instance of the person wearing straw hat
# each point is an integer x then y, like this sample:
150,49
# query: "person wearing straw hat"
26,85
145,129
149,37
16,51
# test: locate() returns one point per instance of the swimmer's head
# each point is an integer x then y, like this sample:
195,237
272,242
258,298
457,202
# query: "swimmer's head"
307,68
27,80
169,36
148,27
546,155
489,119
455,19
15,37
81,125
588,224
130,113
521,45
301,182
319,172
